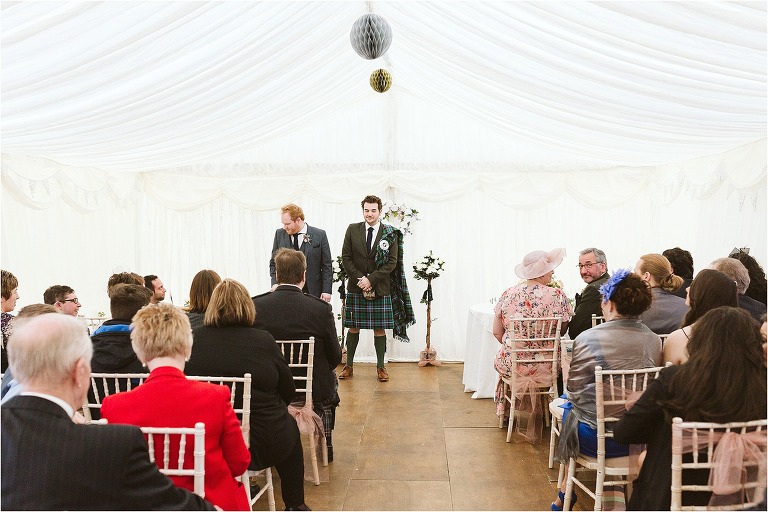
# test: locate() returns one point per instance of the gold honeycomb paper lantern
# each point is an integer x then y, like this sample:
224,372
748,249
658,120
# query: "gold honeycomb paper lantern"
381,80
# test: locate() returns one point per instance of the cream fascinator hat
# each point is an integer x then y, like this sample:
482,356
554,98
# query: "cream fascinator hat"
537,263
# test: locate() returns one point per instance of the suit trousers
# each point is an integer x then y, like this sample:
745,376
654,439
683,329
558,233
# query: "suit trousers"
291,471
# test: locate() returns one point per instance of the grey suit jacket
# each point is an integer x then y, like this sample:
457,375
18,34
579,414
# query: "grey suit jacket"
319,262
50,463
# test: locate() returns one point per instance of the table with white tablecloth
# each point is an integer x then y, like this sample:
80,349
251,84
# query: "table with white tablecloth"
481,347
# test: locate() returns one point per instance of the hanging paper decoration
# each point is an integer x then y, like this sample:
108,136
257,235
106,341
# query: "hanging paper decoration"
370,36
381,80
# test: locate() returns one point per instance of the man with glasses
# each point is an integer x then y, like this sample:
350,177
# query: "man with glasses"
593,268
63,298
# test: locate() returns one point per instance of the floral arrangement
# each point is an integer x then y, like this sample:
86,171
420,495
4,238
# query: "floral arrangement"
339,274
400,216
428,267
607,289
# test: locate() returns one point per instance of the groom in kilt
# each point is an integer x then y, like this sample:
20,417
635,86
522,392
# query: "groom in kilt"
377,294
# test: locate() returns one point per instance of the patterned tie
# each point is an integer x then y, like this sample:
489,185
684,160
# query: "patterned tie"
369,239
296,242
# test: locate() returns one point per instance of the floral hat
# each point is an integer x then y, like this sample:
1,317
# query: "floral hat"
537,263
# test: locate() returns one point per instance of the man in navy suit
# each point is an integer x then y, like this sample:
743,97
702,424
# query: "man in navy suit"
51,463
313,242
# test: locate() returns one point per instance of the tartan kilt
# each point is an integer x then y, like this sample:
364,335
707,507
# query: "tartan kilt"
368,314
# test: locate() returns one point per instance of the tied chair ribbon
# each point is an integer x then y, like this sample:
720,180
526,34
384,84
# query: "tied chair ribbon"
528,381
734,456
311,424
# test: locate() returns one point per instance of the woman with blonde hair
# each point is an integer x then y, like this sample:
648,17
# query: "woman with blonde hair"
162,340
200,293
227,345
667,309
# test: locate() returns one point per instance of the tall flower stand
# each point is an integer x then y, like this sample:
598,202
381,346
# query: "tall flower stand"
428,356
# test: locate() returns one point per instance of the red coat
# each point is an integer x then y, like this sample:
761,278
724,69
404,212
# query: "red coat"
168,399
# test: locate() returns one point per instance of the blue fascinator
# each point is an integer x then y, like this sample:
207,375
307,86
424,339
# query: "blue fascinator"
607,289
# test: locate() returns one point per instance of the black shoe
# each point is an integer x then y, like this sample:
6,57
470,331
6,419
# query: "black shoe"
303,506
255,488
330,454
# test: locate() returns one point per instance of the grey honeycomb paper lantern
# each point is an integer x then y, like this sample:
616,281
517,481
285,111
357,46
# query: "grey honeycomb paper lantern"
381,80
370,36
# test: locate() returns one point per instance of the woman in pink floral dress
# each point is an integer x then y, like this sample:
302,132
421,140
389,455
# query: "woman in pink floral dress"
533,298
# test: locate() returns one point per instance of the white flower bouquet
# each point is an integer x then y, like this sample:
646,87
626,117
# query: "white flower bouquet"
428,267
400,216
339,274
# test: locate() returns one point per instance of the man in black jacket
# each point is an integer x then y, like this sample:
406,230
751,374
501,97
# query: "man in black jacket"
289,314
593,267
112,350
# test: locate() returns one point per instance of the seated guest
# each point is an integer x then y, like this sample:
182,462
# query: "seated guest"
288,314
532,298
10,387
593,268
724,380
112,350
227,345
682,265
667,310
736,270
123,278
757,281
51,463
162,339
155,285
622,342
63,298
710,289
10,294
200,295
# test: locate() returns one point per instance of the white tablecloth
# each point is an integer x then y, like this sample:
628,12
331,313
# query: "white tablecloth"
481,347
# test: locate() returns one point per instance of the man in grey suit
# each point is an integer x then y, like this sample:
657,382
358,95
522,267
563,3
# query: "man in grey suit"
51,463
313,242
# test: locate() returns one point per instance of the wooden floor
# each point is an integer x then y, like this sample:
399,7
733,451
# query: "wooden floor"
418,442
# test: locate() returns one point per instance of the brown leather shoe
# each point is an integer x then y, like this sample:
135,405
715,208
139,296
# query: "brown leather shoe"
382,374
346,373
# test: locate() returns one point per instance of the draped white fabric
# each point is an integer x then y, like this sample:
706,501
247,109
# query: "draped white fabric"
162,137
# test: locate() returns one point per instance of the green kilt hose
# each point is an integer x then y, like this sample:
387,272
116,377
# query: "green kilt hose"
368,314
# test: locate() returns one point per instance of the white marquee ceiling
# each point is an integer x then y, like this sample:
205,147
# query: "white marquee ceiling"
196,87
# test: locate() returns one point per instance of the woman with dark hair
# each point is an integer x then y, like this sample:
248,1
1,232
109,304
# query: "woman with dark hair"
682,265
228,345
710,289
622,342
200,295
757,281
724,380
667,310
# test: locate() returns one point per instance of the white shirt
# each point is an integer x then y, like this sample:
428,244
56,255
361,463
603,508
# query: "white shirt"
375,232
64,405
300,235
